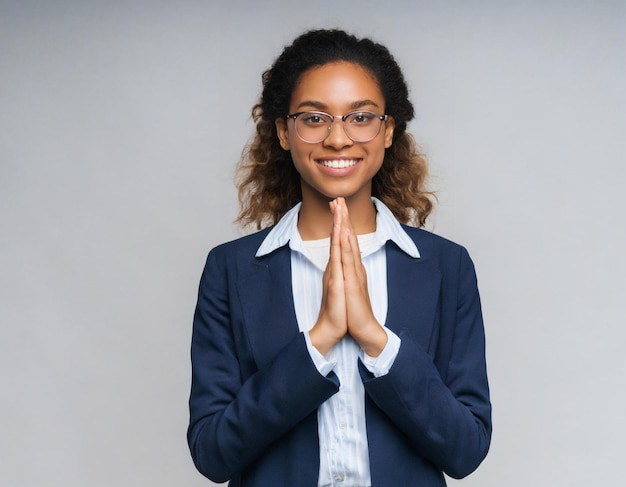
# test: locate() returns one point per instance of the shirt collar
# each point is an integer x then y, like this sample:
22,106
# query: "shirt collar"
387,228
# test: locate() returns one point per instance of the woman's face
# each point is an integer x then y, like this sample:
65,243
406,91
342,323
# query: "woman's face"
337,166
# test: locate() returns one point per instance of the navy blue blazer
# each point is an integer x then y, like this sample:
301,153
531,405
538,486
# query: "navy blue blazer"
255,390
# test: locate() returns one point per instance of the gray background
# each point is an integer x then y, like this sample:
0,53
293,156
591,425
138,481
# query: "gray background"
120,124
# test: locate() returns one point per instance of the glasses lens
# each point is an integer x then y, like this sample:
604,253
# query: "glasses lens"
362,126
313,126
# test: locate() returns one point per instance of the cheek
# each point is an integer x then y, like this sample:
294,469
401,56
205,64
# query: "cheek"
298,148
297,156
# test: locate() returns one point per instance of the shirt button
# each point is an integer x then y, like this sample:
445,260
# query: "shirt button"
338,478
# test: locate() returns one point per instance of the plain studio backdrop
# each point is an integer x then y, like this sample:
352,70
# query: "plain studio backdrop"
120,125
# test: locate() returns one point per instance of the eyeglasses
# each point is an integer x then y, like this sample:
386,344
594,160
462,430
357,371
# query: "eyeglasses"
360,126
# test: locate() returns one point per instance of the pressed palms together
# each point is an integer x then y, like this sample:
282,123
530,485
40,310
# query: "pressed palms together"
346,307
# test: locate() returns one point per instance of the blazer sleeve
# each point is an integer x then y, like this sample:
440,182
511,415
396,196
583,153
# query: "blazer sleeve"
444,409
235,414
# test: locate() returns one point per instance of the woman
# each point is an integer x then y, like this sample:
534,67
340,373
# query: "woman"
337,346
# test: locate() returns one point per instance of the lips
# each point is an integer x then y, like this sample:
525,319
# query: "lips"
338,163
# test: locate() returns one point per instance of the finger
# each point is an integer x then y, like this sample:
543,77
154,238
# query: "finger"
334,234
347,222
348,230
334,262
333,283
348,261
333,205
332,310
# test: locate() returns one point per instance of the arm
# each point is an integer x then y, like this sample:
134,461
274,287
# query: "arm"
447,418
235,415
442,408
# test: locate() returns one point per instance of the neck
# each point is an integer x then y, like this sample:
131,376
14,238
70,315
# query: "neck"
315,220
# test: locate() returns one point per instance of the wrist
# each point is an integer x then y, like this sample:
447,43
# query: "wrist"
373,340
323,338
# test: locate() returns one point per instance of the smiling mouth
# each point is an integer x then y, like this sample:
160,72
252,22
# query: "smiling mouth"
339,163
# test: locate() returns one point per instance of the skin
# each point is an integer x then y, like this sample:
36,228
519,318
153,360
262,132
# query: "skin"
339,200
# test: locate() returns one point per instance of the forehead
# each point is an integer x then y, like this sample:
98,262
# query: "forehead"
336,84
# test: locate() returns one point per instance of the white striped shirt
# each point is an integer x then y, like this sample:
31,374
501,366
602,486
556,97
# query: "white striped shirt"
344,459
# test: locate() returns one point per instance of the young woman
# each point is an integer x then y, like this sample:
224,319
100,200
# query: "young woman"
338,346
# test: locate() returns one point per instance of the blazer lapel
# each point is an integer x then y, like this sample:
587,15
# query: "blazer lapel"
413,290
269,316
267,304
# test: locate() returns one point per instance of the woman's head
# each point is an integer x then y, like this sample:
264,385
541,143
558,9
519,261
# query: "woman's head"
269,184
319,47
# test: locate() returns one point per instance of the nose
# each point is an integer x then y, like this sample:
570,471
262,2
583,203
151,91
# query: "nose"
337,138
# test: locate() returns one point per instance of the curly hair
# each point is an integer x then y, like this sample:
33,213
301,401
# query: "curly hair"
267,180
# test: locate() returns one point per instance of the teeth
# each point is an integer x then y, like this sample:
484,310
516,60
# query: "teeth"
339,164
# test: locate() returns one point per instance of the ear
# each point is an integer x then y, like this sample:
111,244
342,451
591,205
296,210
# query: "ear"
390,125
283,133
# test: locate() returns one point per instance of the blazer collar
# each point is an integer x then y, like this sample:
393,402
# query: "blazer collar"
387,228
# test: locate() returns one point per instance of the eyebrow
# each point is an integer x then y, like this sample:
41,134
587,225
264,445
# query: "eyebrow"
318,105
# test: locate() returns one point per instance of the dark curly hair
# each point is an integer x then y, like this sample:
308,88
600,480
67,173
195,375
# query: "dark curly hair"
268,182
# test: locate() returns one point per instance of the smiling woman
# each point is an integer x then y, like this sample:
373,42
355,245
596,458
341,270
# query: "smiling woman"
269,184
336,165
337,346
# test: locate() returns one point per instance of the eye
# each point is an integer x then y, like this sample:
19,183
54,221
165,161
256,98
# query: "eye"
361,118
311,118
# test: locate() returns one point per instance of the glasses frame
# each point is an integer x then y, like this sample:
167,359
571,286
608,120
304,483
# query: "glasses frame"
343,118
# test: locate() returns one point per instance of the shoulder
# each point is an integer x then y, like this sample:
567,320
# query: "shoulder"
429,241
242,246
231,259
437,249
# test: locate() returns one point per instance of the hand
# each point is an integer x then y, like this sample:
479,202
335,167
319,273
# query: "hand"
362,324
332,322
346,306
